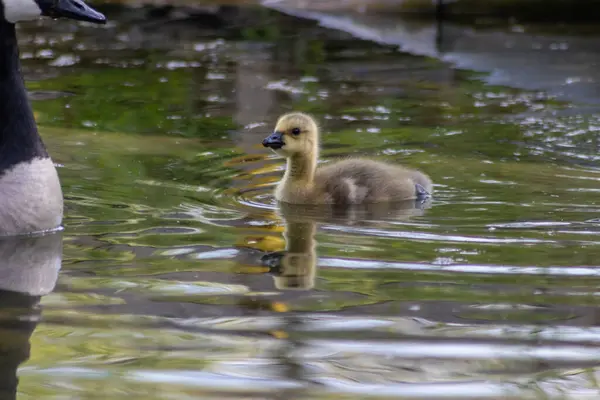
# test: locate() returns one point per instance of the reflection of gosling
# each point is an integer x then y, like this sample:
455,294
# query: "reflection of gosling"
295,268
350,181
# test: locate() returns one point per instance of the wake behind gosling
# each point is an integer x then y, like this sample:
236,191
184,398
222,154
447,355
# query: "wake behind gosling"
345,182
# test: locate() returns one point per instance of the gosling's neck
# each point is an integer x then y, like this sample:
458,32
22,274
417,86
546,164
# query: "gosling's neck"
19,138
301,168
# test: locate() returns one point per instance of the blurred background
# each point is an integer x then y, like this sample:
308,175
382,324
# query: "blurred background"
182,279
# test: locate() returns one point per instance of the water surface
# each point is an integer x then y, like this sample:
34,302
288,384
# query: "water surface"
182,279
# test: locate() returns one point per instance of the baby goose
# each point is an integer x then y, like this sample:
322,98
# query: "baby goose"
345,182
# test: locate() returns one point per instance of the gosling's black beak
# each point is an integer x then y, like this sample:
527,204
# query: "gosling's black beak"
274,140
73,9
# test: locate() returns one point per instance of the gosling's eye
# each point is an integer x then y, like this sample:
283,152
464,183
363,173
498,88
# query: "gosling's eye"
296,131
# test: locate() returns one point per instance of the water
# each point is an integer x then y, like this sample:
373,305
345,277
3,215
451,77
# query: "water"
175,280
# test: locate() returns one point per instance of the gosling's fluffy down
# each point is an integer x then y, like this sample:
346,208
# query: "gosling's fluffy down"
345,182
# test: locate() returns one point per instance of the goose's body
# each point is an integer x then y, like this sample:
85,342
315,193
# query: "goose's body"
30,193
345,182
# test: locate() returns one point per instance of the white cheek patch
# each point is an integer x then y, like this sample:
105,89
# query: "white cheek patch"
20,10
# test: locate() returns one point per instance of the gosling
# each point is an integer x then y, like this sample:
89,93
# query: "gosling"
345,182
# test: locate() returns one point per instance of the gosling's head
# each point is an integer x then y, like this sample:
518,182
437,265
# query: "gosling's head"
295,133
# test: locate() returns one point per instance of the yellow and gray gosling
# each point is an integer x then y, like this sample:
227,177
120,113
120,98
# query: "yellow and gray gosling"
346,182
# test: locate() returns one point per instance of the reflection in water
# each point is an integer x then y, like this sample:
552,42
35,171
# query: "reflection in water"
295,267
28,270
535,57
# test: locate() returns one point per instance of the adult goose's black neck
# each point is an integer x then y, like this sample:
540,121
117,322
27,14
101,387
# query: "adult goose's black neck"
19,138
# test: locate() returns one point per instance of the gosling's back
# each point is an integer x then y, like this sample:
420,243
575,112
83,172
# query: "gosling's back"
358,180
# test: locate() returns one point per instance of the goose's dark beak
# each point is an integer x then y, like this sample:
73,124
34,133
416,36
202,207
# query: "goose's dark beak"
274,140
72,9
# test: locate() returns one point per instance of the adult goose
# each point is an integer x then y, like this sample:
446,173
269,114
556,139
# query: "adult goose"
30,194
